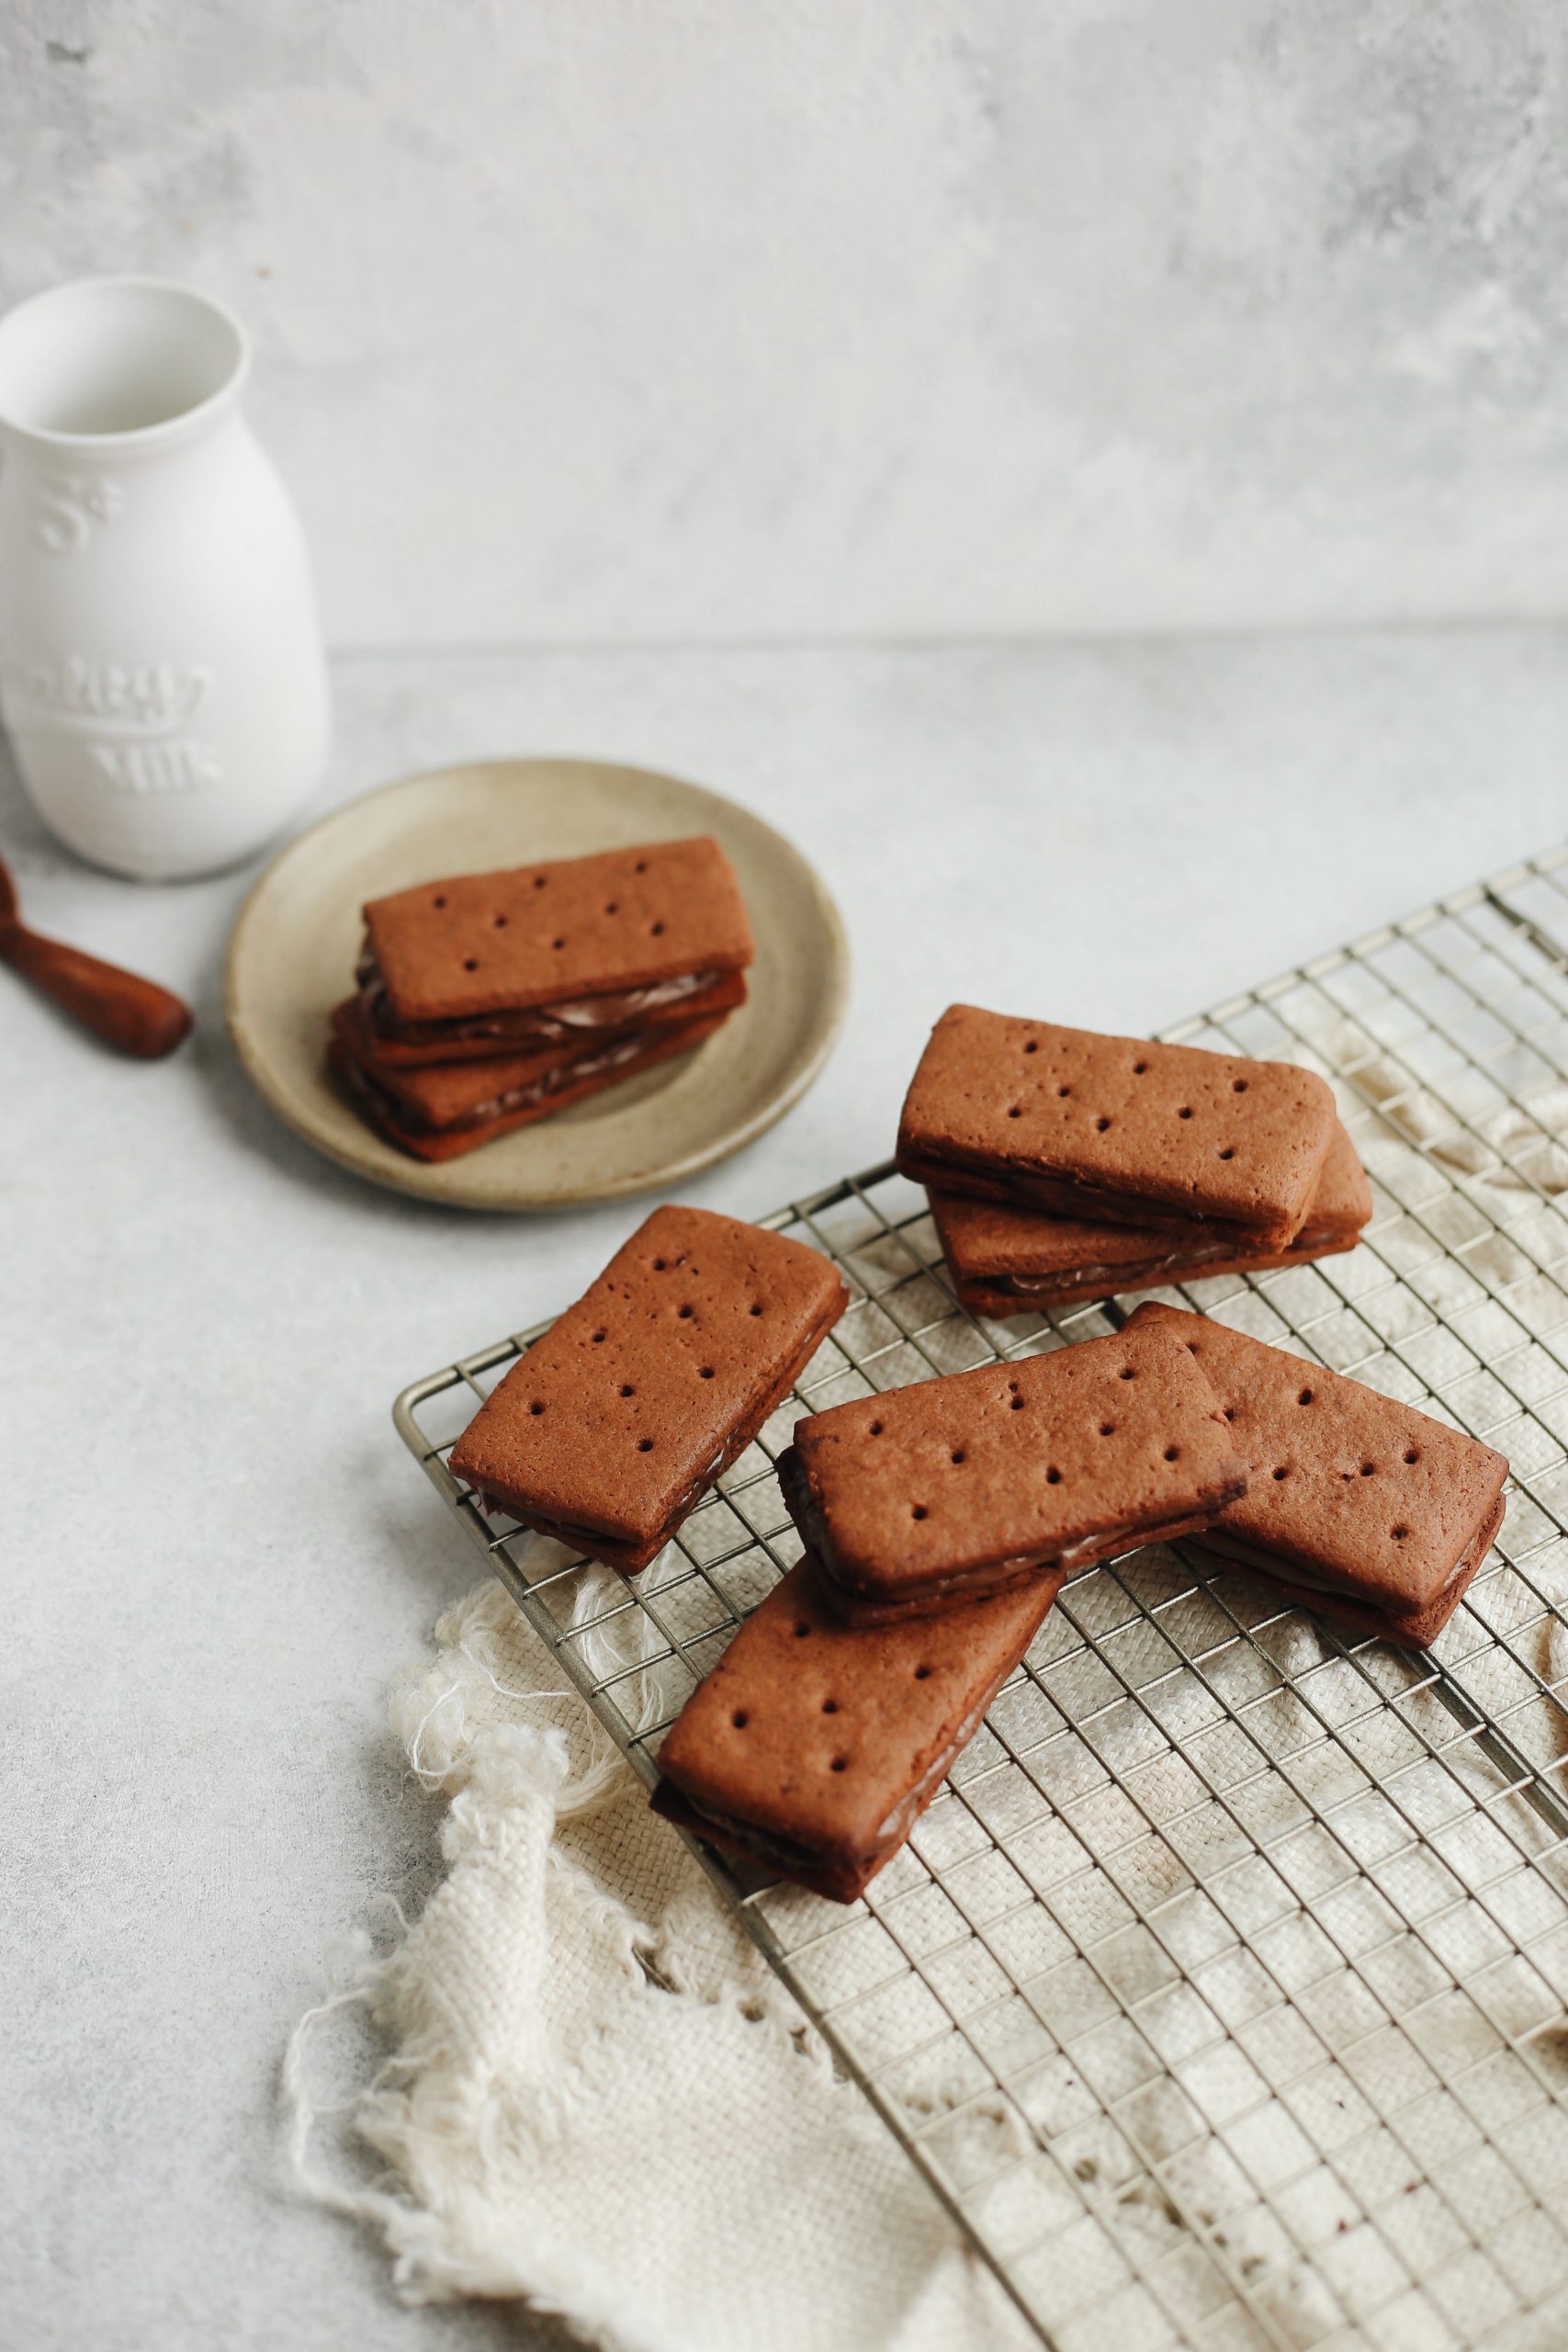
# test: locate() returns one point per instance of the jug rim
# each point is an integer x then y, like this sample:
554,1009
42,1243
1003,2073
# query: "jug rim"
216,372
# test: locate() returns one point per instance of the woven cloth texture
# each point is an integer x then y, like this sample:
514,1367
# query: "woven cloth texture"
594,2097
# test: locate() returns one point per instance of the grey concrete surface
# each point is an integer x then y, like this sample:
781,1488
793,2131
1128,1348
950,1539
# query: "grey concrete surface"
610,322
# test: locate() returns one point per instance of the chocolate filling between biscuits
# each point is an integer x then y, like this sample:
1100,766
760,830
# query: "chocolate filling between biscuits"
583,1536
545,1024
871,1604
776,1852
1062,1195
1132,1271
859,1607
1291,1568
514,1097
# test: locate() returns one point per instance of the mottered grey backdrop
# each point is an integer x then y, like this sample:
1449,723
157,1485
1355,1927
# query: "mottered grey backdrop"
824,317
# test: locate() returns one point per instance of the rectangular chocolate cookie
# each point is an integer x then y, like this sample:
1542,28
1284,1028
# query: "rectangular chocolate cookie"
1355,1506
1114,1129
444,1109
1007,1260
932,1493
539,953
622,1416
812,1748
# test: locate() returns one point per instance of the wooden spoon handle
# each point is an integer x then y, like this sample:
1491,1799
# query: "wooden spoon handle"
136,1016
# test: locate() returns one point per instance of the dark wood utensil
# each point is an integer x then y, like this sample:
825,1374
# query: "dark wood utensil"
135,1016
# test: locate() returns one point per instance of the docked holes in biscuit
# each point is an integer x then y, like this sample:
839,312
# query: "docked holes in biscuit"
614,908
801,1631
558,942
1127,1372
1238,1086
1282,1471
705,1372
739,1719
641,865
1108,1428
1173,1454
535,1407
599,1338
1304,1397
540,880
470,963
500,922
1016,1403
1063,1090
1052,1476
1227,1151
756,1308
875,1429
1399,1533
645,1445
1102,1122
918,1510
1016,1112
1367,1468
686,1312
840,1764
626,1388
1032,1047
1412,1454
656,929
659,1264
958,1454
1185,1111
439,903
829,1706
1140,1069
922,1673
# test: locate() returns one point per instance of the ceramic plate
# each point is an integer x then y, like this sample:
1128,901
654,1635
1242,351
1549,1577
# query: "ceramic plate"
292,955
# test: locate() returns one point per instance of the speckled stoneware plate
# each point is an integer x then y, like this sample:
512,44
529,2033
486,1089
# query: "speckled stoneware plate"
292,955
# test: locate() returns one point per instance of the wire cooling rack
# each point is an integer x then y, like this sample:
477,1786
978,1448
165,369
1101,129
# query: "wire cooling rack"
1222,1997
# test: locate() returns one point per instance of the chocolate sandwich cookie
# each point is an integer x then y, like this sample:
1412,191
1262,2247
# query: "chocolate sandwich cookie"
613,1424
1359,1506
811,1749
1007,1261
932,1493
540,954
1113,1129
444,1109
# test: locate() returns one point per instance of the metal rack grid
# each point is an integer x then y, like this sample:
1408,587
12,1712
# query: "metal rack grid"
1222,1996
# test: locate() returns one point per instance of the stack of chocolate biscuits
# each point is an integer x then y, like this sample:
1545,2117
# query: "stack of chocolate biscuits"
941,1521
486,1001
1062,1164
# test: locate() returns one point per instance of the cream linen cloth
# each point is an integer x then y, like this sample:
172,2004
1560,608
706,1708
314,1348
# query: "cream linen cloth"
598,2099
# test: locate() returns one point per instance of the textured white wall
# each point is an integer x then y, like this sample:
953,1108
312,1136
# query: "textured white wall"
603,318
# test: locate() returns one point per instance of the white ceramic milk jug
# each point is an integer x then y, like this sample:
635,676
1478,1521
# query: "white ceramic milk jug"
161,665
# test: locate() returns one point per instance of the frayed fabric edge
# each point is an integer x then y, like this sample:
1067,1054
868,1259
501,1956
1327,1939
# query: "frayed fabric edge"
521,1768
426,2266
